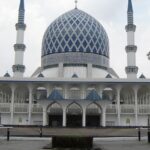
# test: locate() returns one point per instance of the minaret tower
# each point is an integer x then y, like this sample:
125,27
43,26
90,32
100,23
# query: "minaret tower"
19,47
131,69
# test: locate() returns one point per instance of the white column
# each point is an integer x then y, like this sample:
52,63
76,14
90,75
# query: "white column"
12,103
60,71
89,70
83,91
44,116
84,118
49,89
30,104
118,105
136,105
64,117
66,91
100,90
104,116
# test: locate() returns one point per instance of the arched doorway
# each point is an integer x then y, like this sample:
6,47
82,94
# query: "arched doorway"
55,115
74,115
93,115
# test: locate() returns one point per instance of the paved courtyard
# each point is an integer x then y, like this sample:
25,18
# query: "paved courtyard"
96,132
108,139
22,145
124,145
105,144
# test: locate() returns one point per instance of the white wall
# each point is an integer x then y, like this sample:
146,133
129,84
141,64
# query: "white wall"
51,72
5,118
79,70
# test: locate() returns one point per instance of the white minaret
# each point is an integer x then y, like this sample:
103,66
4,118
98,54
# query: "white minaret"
131,69
19,47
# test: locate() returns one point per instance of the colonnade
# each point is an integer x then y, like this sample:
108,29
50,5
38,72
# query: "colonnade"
117,89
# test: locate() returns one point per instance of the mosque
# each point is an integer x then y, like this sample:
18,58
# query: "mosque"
75,85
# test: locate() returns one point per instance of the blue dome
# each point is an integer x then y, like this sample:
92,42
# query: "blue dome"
75,31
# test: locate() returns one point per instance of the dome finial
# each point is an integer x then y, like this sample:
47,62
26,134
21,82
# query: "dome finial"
76,4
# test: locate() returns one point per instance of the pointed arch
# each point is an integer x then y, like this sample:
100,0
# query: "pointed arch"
93,108
54,107
55,114
93,115
74,113
74,107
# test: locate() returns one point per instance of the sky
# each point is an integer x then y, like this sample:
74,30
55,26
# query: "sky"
112,14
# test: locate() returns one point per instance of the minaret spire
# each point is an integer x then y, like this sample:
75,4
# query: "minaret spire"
130,8
19,47
76,4
130,12
21,12
131,48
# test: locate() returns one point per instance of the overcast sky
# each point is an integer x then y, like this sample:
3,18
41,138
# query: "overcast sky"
40,13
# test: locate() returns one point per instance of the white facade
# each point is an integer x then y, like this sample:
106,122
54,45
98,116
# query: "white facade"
25,103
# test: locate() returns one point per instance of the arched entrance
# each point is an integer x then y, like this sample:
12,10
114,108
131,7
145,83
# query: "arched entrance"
55,115
93,115
74,115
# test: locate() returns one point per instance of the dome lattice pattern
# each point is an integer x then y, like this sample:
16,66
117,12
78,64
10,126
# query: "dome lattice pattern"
75,31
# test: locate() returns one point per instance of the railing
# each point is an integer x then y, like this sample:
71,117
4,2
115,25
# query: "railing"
144,109
4,107
36,108
127,109
111,109
21,108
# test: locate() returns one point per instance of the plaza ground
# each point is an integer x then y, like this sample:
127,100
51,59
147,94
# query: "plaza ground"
105,144
95,132
106,138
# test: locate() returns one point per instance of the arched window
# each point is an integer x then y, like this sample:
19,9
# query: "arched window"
143,96
5,95
127,96
21,95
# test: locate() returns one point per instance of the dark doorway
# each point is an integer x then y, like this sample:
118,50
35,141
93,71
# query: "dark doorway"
93,120
74,120
55,120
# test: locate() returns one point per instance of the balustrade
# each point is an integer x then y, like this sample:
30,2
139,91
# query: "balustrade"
4,108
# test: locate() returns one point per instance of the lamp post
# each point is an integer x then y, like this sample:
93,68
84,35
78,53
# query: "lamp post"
148,55
148,128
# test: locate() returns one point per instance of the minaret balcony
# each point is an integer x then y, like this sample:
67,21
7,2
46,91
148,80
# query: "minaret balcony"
130,27
20,26
131,69
19,47
18,68
131,48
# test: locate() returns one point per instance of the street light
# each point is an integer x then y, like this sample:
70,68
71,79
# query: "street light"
148,122
149,128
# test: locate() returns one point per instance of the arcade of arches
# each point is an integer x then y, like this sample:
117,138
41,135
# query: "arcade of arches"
74,115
